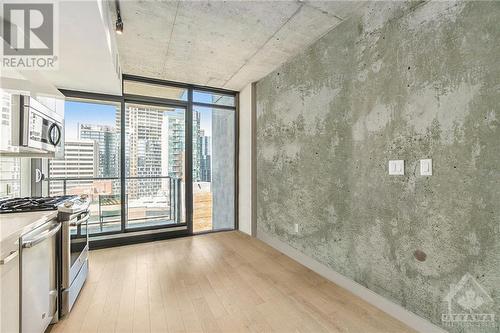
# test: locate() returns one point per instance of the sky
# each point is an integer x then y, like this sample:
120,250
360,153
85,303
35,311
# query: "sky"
77,112
86,113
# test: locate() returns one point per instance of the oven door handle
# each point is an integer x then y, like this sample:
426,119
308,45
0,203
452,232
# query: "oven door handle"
75,222
43,236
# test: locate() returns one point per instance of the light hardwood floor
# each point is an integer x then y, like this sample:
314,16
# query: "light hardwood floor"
222,282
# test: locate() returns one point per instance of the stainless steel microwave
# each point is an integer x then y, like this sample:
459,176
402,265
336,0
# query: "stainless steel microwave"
35,128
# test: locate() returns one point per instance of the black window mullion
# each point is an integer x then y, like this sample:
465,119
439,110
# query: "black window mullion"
189,162
123,184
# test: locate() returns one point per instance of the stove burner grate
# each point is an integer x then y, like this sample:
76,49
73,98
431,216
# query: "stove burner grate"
30,204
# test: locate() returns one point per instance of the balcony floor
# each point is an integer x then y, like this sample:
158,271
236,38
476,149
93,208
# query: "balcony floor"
202,218
199,225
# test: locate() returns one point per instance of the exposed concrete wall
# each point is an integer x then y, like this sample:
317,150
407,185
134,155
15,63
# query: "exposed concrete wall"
245,161
398,81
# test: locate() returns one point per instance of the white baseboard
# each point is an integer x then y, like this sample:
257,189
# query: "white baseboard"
395,310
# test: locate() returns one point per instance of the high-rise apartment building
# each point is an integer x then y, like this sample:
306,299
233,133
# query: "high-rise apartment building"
196,146
80,161
204,152
10,183
108,143
175,144
5,119
144,134
10,177
155,146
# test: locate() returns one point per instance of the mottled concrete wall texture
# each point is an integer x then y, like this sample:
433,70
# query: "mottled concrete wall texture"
395,81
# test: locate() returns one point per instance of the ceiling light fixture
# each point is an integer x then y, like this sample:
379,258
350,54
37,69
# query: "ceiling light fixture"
119,22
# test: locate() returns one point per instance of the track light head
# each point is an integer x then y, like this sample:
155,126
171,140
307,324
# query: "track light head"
119,26
119,22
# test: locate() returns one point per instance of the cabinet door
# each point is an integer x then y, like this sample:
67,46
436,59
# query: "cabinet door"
9,291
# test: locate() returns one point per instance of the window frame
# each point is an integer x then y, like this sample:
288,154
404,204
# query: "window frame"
130,236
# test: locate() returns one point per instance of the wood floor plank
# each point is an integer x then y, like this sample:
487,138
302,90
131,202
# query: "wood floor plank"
157,312
125,318
222,282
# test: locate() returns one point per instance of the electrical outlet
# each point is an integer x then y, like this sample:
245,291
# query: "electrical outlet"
296,228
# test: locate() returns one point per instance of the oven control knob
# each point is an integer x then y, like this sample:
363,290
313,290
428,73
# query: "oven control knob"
68,204
84,196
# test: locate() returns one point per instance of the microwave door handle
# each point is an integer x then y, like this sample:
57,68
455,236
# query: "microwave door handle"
74,222
8,258
43,236
54,127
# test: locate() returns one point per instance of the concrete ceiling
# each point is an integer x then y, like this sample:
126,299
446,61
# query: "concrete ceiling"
225,44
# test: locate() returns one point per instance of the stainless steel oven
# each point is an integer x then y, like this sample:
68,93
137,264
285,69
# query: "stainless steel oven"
74,216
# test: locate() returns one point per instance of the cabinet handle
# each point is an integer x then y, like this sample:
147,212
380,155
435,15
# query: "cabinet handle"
11,256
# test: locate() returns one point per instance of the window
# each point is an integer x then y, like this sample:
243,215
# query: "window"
132,155
154,164
10,177
206,97
213,168
154,90
91,163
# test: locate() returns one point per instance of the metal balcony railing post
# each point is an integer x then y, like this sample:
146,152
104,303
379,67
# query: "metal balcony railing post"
174,188
178,208
170,198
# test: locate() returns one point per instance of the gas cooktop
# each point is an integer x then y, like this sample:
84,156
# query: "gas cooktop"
31,204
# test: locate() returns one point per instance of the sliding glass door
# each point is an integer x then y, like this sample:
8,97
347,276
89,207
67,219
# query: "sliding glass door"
154,165
159,161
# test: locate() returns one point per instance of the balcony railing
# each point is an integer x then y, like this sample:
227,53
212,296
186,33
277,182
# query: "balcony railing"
149,201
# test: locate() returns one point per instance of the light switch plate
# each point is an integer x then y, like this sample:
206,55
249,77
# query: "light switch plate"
426,167
396,167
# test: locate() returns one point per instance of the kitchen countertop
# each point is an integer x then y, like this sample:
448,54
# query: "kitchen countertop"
14,225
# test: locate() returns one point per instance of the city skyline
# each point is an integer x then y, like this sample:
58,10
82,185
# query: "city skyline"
78,112
154,146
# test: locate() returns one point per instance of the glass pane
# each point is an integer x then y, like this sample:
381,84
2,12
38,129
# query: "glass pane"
91,163
212,98
10,177
154,159
154,90
105,208
213,169
10,167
